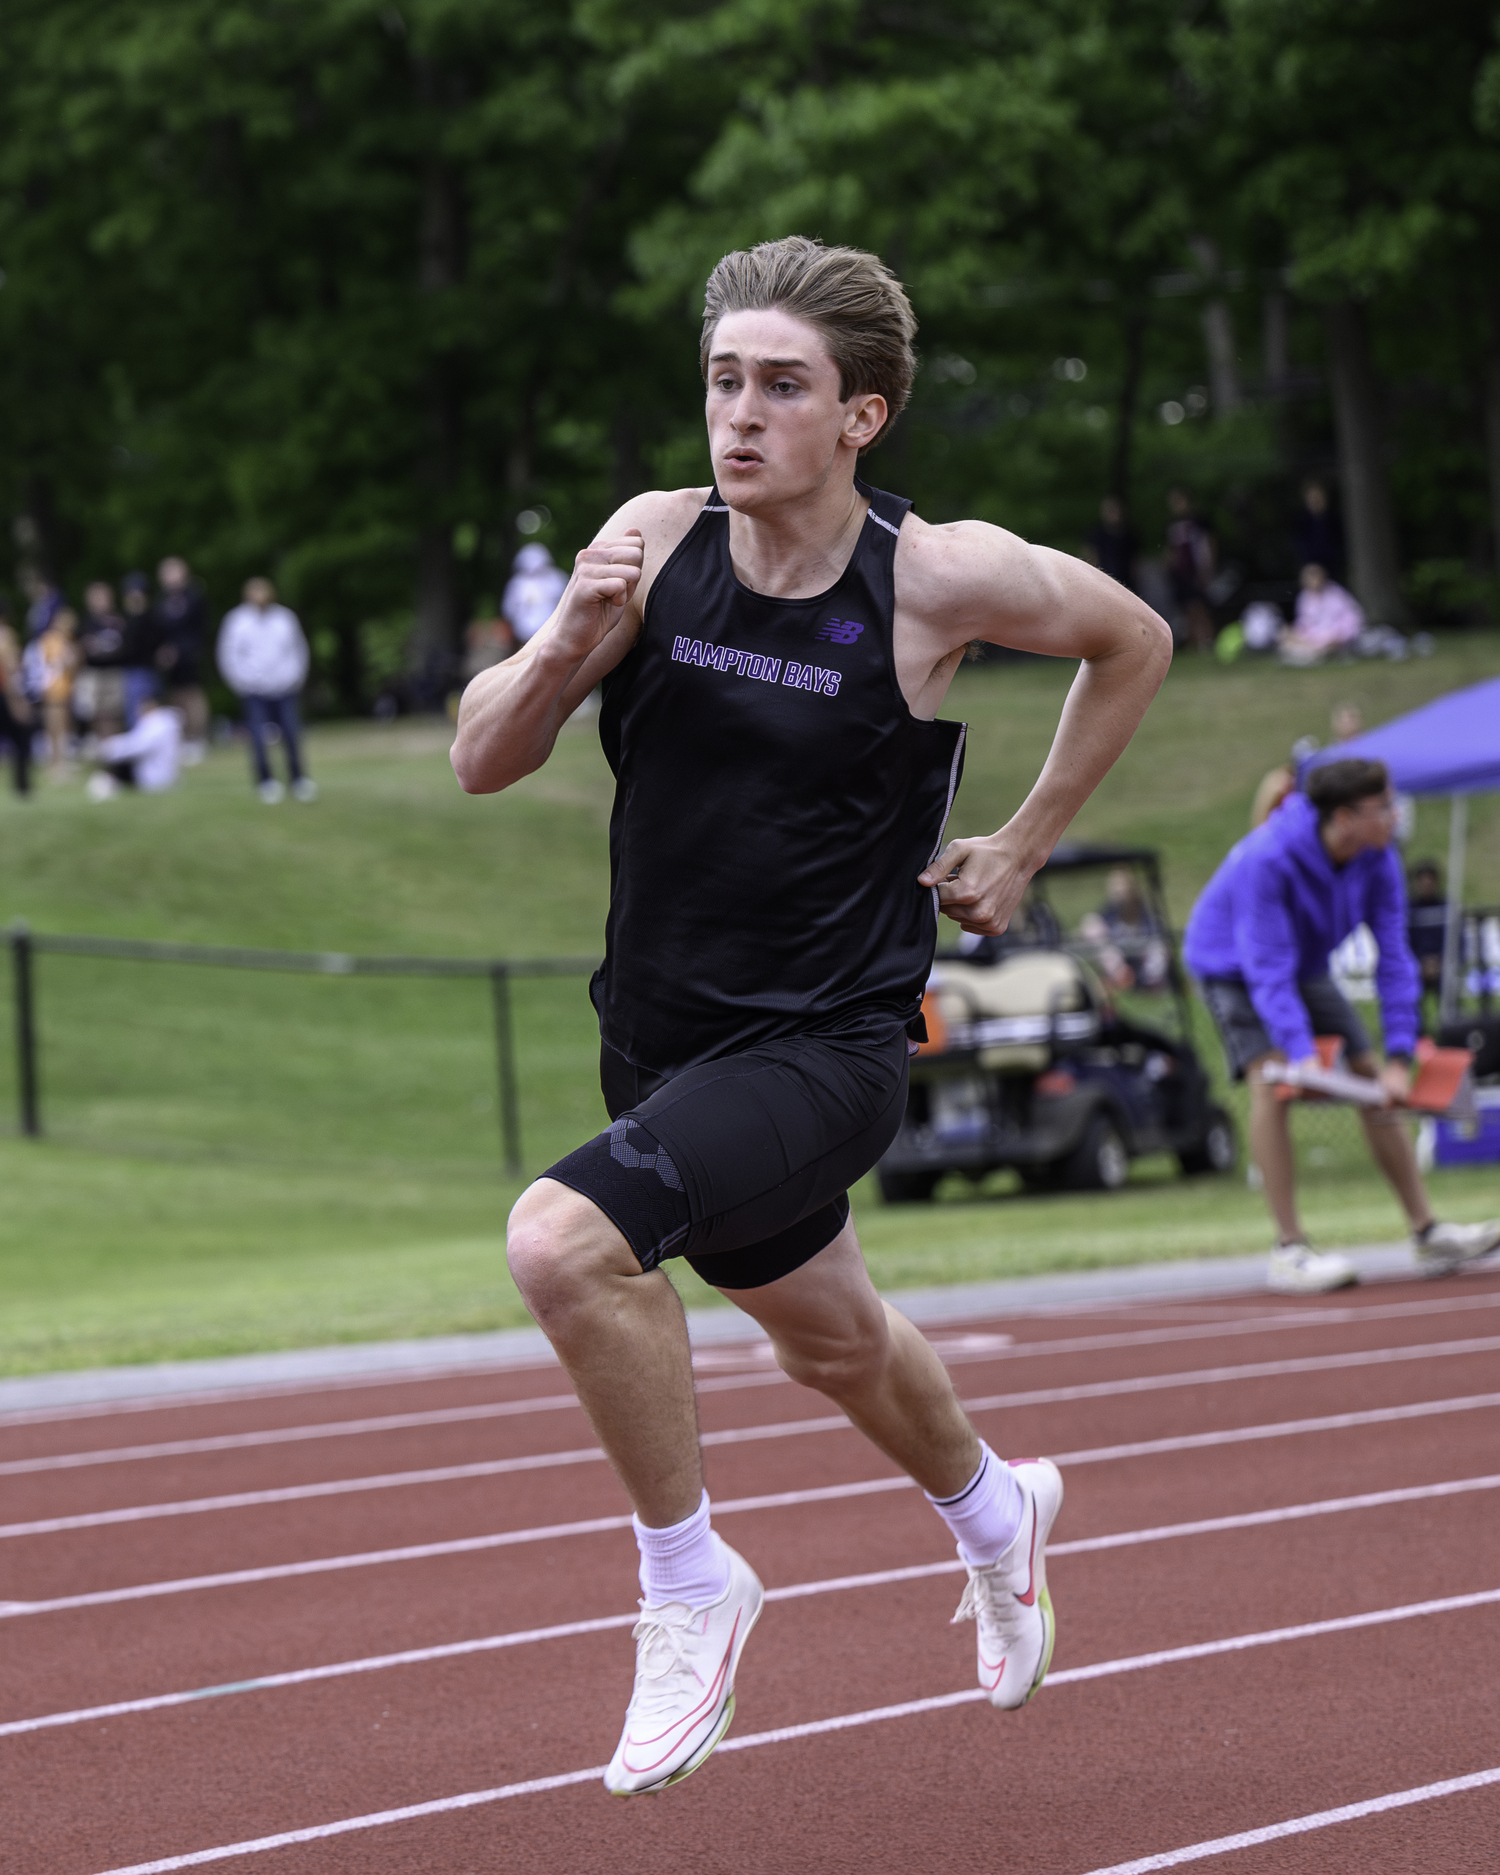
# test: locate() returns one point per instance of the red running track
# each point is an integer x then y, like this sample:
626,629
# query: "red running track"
385,1629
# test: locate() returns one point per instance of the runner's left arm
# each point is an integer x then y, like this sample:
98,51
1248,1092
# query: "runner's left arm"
976,582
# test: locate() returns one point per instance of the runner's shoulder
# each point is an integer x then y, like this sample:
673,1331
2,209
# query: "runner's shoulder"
663,516
943,565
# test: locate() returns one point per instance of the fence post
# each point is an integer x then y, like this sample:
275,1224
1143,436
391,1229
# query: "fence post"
20,962
505,1049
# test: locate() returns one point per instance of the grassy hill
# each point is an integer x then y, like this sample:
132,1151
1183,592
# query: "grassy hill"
238,1160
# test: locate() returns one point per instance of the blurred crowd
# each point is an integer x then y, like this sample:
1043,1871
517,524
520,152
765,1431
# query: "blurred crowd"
1213,609
115,690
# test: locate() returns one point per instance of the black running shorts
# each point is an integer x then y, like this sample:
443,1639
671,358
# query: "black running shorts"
742,1165
1244,1034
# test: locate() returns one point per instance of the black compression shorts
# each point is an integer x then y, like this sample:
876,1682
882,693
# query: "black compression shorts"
743,1165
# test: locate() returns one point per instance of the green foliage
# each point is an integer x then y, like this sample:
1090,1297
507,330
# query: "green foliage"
320,288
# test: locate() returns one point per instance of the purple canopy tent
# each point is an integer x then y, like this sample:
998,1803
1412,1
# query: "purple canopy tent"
1448,747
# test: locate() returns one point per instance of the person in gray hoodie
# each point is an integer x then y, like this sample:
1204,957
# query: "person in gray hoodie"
1258,941
263,657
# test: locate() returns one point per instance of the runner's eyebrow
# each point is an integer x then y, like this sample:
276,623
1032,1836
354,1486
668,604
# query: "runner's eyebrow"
763,364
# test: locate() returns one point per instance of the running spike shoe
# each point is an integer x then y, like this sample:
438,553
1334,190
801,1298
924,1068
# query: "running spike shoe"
1443,1247
685,1660
1297,1271
1009,1600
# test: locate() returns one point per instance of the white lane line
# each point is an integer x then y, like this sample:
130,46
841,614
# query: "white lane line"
913,1708
821,1494
797,1592
741,1435
779,1500
1302,1825
953,1352
287,1435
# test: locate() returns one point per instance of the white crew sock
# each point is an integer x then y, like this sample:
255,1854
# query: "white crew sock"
683,1563
986,1514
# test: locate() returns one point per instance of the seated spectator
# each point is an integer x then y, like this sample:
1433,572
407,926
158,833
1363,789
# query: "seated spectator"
99,694
16,716
263,658
1327,617
48,666
1129,947
146,757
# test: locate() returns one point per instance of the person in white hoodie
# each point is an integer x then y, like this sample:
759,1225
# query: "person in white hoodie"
146,757
263,658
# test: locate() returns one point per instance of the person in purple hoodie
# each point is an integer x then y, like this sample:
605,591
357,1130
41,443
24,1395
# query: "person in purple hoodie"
1258,942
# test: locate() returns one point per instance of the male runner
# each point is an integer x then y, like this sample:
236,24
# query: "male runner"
774,650
1259,939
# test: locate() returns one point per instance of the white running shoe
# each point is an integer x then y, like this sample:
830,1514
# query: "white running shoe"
685,1660
1009,1599
1447,1246
270,792
305,788
1298,1271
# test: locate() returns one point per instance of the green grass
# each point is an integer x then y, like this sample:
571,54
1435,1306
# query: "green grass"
238,1161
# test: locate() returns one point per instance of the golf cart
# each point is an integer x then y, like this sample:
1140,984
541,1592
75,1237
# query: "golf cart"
1063,1047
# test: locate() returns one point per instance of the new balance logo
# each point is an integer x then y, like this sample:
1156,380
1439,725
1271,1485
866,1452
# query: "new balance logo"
839,631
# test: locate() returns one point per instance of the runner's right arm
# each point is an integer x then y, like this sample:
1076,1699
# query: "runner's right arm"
510,715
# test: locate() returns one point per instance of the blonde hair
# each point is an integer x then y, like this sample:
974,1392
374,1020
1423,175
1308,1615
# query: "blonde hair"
857,304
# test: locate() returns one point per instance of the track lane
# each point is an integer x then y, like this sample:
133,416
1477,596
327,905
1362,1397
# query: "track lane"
1277,1673
1100,1588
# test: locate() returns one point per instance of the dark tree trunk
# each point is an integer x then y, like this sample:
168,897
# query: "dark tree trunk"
440,268
629,469
1125,414
1374,562
1274,341
1492,425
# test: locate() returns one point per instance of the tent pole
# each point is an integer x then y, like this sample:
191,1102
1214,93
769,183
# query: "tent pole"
1458,826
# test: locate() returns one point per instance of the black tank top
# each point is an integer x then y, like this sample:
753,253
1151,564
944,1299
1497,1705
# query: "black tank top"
775,800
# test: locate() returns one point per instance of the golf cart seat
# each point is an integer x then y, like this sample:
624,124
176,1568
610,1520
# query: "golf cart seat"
1014,1012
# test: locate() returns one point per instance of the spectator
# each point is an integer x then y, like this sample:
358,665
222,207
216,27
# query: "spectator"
145,757
44,601
181,619
99,692
1113,543
15,706
263,658
142,642
47,669
1127,940
532,593
1427,926
1190,566
1319,538
1346,720
1275,785
1327,618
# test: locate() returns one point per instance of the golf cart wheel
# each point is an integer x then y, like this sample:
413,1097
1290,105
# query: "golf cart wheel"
1218,1149
1099,1162
907,1187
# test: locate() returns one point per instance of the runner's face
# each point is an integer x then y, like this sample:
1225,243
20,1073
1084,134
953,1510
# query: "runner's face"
776,423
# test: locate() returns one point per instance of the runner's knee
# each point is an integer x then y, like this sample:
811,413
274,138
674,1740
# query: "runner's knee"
835,1361
560,1247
